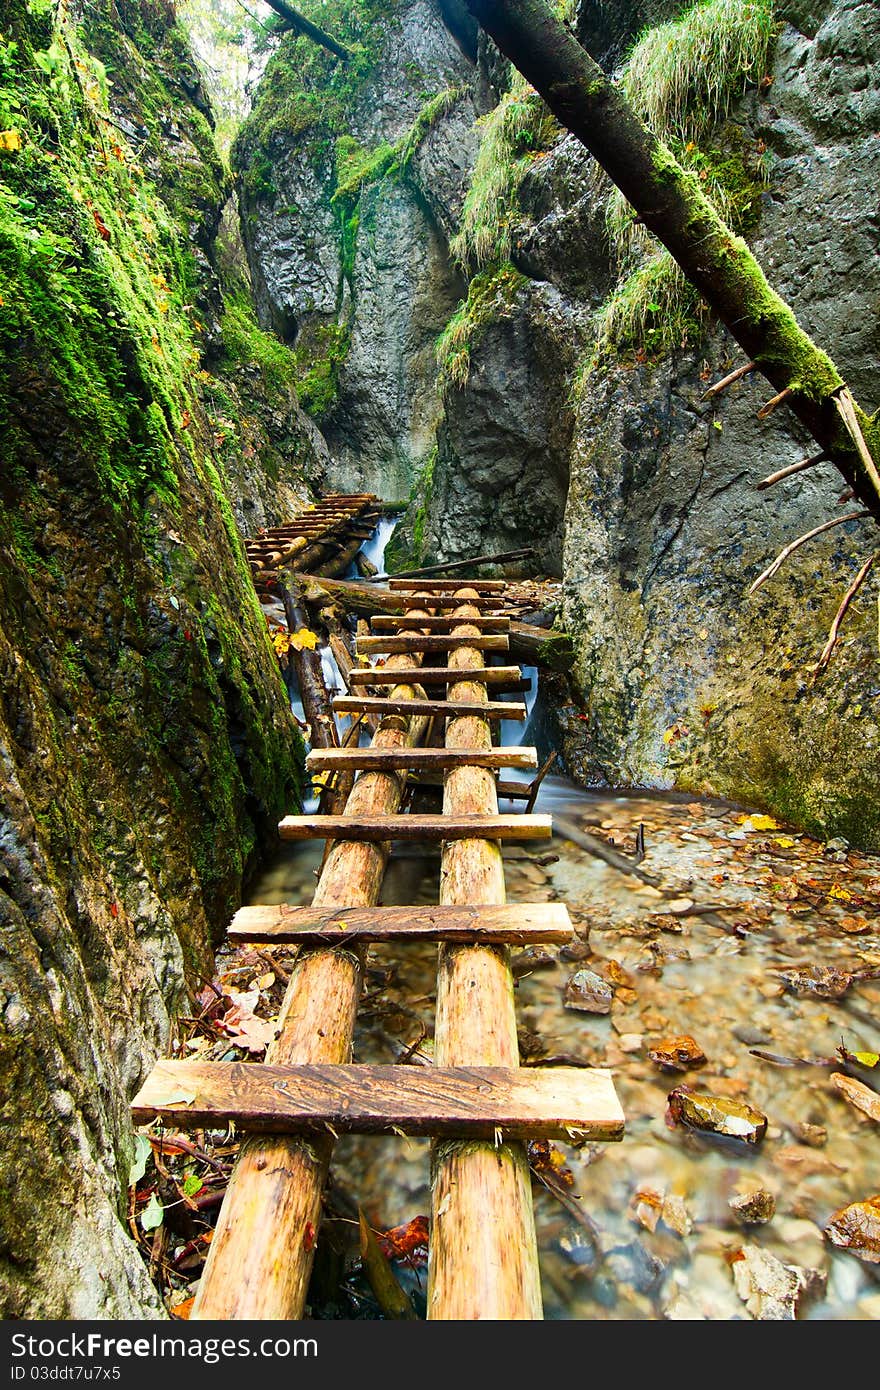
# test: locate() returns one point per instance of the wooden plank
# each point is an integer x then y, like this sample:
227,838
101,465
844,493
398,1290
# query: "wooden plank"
403,759
514,924
447,709
391,622
432,675
411,827
447,586
486,642
463,1102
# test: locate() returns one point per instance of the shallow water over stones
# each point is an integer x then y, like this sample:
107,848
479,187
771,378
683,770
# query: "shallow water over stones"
787,904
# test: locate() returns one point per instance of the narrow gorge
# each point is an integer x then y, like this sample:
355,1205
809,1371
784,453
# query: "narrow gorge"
243,276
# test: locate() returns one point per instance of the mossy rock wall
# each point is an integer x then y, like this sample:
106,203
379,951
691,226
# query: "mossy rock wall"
146,740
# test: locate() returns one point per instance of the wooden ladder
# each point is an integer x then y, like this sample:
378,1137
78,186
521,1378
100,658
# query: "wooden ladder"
475,1101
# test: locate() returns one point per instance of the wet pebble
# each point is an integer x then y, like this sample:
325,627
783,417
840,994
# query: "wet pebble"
753,1208
588,992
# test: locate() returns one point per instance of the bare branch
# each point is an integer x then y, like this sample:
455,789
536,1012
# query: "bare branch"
771,405
790,471
846,407
838,617
728,380
794,545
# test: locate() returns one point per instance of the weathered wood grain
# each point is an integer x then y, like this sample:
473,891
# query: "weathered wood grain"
412,827
447,709
464,1102
514,923
439,642
334,759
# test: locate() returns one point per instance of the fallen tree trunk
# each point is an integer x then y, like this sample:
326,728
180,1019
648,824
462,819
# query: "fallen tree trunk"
671,203
535,646
309,673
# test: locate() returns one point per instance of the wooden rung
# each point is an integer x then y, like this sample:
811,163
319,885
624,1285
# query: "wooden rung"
412,827
465,1102
449,586
489,602
515,924
405,759
448,709
486,642
392,622
432,675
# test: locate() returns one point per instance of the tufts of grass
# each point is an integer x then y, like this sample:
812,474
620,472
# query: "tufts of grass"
683,77
512,132
490,297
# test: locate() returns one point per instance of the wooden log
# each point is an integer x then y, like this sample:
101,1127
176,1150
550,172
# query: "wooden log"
488,642
450,586
483,1251
469,1102
324,759
411,827
434,676
455,566
516,923
261,1255
310,677
437,623
446,709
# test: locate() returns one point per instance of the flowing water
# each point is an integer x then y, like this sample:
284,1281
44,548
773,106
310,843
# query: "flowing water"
645,1229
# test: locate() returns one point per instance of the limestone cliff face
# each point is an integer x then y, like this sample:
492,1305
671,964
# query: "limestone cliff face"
687,680
146,742
352,180
623,478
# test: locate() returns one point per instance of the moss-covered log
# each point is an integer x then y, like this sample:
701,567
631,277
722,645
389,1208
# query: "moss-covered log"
671,203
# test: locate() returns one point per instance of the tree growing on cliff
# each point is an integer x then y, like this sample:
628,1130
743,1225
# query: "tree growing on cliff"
670,202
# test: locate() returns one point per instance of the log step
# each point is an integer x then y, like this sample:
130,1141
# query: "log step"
486,642
406,759
412,827
512,924
448,709
392,622
449,586
433,675
464,1102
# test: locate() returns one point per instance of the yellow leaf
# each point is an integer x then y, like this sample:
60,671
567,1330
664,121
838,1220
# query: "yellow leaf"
757,822
837,892
10,140
867,1059
281,643
302,640
669,735
784,841
341,926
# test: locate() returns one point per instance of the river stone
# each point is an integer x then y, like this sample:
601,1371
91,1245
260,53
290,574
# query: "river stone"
588,992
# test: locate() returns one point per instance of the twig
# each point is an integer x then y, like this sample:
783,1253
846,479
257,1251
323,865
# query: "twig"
729,380
790,471
793,545
846,408
768,409
838,617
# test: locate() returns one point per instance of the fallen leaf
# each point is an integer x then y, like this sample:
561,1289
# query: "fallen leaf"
407,1242
758,822
10,140
184,1309
153,1214
142,1151
303,640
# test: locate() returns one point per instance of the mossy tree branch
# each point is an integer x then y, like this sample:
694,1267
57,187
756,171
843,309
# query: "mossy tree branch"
670,202
305,26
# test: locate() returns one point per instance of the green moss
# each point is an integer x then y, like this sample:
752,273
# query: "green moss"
320,356
557,653
491,296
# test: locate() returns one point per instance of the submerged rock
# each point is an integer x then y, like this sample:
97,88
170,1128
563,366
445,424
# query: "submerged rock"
716,1115
588,992
753,1208
773,1291
681,1053
856,1228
